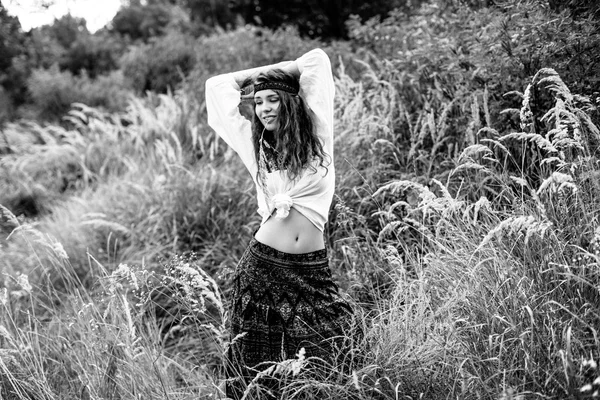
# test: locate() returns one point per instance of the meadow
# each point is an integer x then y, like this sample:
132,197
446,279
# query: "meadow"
465,229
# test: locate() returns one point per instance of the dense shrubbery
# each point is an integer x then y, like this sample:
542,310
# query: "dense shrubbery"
53,92
160,65
138,21
453,70
94,54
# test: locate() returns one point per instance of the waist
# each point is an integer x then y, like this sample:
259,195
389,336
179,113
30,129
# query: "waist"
294,234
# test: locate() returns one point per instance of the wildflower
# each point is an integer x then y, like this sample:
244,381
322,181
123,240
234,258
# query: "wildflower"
590,363
124,271
297,365
355,380
23,281
196,286
4,332
586,388
59,250
4,296
526,116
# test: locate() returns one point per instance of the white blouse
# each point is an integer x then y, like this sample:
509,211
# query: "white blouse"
311,193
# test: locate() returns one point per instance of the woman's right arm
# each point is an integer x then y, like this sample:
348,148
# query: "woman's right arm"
222,101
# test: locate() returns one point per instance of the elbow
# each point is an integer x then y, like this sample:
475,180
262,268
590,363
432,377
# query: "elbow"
315,58
210,84
320,54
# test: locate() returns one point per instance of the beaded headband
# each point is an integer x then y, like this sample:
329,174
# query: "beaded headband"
293,89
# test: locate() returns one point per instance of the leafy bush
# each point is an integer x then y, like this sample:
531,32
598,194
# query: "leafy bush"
53,92
66,29
12,75
44,51
6,106
160,65
141,21
109,92
96,54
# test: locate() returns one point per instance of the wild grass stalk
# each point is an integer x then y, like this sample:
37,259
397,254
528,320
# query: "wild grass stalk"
73,341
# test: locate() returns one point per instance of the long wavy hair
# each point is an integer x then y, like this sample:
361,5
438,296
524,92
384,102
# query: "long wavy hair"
296,140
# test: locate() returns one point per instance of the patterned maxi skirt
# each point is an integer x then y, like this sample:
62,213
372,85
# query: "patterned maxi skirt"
281,303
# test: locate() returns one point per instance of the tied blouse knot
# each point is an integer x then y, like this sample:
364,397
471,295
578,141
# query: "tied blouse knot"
311,193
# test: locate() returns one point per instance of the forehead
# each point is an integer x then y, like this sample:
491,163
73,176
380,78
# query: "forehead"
264,93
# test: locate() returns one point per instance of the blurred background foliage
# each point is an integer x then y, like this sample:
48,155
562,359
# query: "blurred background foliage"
157,43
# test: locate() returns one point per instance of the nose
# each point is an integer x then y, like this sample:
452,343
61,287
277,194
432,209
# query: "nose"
266,107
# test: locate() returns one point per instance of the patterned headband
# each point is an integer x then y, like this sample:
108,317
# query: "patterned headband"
293,89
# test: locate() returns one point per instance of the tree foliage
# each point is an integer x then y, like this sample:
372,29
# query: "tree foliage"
160,65
138,21
96,54
12,50
314,18
66,29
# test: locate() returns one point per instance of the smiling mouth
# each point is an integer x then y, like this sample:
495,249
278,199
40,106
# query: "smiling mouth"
269,119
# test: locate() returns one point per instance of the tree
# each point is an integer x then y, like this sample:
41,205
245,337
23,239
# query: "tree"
97,54
67,29
210,12
13,50
138,21
315,18
161,64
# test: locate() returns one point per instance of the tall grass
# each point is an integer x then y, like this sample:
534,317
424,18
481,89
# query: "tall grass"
108,341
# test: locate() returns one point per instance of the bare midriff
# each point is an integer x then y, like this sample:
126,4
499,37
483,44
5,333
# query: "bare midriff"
293,234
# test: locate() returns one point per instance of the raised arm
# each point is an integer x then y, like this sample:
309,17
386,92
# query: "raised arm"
318,89
222,101
223,97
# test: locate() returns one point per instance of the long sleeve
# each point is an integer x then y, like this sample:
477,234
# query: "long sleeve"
222,100
318,89
312,194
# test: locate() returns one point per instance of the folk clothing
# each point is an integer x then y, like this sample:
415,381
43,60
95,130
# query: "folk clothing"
312,193
281,303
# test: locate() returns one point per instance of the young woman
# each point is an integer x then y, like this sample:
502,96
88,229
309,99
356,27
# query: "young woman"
284,298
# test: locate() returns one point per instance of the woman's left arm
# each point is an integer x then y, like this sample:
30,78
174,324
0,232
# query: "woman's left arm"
318,89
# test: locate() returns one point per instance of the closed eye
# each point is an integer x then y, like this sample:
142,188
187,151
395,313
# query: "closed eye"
272,99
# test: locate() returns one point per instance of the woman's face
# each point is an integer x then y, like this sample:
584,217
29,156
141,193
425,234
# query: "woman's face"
266,107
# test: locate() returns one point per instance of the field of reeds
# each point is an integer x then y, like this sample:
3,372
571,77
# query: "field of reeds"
465,229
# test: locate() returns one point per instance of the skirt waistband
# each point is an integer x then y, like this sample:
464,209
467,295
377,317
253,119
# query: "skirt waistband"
262,250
